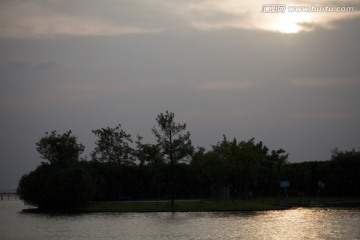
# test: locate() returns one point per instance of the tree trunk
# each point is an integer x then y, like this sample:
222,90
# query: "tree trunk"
172,178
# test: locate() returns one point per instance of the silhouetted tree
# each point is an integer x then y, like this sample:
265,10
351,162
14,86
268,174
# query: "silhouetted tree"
54,187
247,166
174,142
346,167
113,146
59,148
61,184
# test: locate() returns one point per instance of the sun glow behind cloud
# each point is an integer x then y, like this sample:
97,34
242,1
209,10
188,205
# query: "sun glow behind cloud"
289,22
212,15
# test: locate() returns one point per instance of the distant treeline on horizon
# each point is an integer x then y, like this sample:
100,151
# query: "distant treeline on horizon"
172,168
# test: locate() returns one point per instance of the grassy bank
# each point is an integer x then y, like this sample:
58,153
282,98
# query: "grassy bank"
182,206
257,204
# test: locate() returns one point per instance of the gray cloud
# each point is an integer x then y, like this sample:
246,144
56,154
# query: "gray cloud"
54,18
34,19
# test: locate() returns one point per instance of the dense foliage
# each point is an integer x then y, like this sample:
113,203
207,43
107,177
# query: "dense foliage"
338,177
121,170
61,182
59,148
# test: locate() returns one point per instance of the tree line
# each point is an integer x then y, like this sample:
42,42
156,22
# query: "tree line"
122,168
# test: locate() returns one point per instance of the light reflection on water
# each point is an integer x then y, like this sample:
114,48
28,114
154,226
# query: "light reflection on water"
298,223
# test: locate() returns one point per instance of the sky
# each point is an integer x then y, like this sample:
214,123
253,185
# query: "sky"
245,69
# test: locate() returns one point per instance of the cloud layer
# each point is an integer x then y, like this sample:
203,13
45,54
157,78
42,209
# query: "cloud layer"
40,18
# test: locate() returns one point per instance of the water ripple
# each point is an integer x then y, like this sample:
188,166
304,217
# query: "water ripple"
298,223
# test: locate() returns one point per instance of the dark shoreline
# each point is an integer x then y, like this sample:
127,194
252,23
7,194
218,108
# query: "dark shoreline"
122,207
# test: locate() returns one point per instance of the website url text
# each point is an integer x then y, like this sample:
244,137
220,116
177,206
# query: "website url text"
282,8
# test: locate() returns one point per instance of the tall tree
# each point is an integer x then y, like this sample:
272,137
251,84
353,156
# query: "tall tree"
174,143
59,148
113,146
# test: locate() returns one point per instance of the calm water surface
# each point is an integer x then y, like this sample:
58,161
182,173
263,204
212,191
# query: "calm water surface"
298,223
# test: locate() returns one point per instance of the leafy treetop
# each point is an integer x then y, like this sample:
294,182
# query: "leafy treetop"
59,148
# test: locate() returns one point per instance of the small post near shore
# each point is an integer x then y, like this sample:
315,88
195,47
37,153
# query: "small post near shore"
284,185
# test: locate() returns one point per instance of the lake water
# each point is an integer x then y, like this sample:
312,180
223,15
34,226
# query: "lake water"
300,223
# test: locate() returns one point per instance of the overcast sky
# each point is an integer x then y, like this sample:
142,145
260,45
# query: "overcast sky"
291,80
